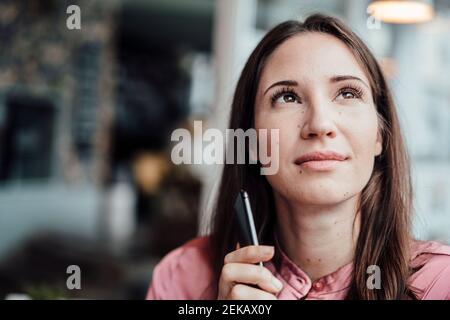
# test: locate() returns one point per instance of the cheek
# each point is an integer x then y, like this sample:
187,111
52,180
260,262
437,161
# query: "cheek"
288,132
361,134
361,137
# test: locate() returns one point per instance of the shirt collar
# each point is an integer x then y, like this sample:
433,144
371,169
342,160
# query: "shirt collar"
301,283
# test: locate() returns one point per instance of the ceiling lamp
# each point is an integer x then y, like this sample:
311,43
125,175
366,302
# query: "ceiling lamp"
401,11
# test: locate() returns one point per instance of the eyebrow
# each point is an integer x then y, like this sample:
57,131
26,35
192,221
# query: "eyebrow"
291,83
333,79
348,77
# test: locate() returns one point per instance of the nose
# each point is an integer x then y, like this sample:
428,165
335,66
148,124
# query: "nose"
318,123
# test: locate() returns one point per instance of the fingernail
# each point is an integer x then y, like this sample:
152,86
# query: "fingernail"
267,250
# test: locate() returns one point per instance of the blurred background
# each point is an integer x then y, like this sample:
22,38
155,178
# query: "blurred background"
86,116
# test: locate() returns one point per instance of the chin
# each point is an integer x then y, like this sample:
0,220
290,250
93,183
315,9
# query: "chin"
321,192
321,198
324,190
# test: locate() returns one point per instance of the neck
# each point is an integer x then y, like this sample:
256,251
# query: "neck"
318,238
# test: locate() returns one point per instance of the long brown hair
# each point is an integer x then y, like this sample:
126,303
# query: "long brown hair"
385,202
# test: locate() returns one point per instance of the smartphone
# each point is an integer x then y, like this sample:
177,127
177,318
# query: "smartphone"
244,219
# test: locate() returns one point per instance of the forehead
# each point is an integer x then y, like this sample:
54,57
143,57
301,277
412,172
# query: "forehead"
310,57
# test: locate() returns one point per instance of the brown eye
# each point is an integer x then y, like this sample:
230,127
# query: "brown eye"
348,95
286,98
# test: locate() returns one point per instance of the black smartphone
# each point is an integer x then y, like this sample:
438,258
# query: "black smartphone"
244,220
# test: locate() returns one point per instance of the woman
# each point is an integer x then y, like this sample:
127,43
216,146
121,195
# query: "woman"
334,220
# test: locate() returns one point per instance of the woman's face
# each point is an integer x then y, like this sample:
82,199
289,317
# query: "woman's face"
314,91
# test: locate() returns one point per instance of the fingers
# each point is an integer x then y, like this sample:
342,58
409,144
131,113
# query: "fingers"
239,273
250,254
243,292
249,274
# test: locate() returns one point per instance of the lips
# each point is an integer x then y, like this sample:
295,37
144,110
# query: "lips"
320,160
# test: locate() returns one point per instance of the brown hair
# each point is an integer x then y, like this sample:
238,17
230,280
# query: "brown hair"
385,202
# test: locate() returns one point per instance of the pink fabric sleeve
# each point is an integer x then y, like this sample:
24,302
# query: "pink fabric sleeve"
182,274
432,280
438,279
156,292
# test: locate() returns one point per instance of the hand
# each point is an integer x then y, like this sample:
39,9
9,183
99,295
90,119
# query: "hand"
239,273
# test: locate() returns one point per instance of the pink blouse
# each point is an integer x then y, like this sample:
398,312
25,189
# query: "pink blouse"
185,274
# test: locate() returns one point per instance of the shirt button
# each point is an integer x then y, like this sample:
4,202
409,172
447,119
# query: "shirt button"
318,286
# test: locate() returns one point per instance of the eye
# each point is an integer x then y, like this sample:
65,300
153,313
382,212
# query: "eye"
350,93
284,96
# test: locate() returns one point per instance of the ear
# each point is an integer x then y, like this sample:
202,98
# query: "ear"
378,144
